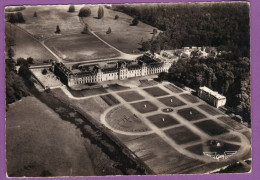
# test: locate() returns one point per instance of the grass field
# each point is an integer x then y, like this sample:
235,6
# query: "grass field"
190,98
124,120
110,99
182,135
210,110
80,47
26,46
123,36
191,114
144,106
130,96
41,141
211,127
171,101
173,88
162,120
87,92
48,17
155,91
117,87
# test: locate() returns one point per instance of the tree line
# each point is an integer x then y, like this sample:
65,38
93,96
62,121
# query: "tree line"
196,24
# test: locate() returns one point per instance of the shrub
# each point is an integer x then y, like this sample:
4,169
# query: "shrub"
109,30
100,12
44,71
116,17
135,22
57,29
71,8
84,12
34,14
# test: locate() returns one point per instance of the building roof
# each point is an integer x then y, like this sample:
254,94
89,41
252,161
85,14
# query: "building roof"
213,93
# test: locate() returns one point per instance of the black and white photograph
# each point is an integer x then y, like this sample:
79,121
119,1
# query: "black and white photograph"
128,89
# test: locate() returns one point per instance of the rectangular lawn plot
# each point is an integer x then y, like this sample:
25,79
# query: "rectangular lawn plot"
182,135
130,96
155,91
210,127
144,106
116,87
162,120
191,114
171,101
87,92
231,123
210,110
173,88
110,100
190,98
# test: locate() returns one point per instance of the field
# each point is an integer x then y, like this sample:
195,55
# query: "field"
80,47
190,98
144,106
209,109
26,46
40,142
182,135
110,100
173,88
87,92
211,128
191,114
156,91
163,120
123,36
130,96
172,101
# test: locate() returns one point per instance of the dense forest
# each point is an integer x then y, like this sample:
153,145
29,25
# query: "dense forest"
221,25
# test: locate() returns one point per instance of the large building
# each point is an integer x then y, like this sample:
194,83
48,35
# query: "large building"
145,65
212,97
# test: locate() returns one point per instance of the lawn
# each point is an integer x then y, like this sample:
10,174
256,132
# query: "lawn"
182,135
173,88
190,98
210,110
110,99
155,91
38,140
171,101
210,127
144,106
122,119
130,96
117,87
26,46
162,120
80,47
191,114
123,36
87,92
231,123
48,17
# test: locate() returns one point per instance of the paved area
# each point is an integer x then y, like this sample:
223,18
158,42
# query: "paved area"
169,154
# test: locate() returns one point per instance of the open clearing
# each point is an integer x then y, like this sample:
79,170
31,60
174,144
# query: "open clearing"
40,129
26,46
130,96
80,47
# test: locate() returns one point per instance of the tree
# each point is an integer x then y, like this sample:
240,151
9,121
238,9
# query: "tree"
154,31
44,71
84,12
10,53
135,22
30,60
100,12
20,18
146,46
109,30
34,14
57,29
116,17
155,47
71,8
19,61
